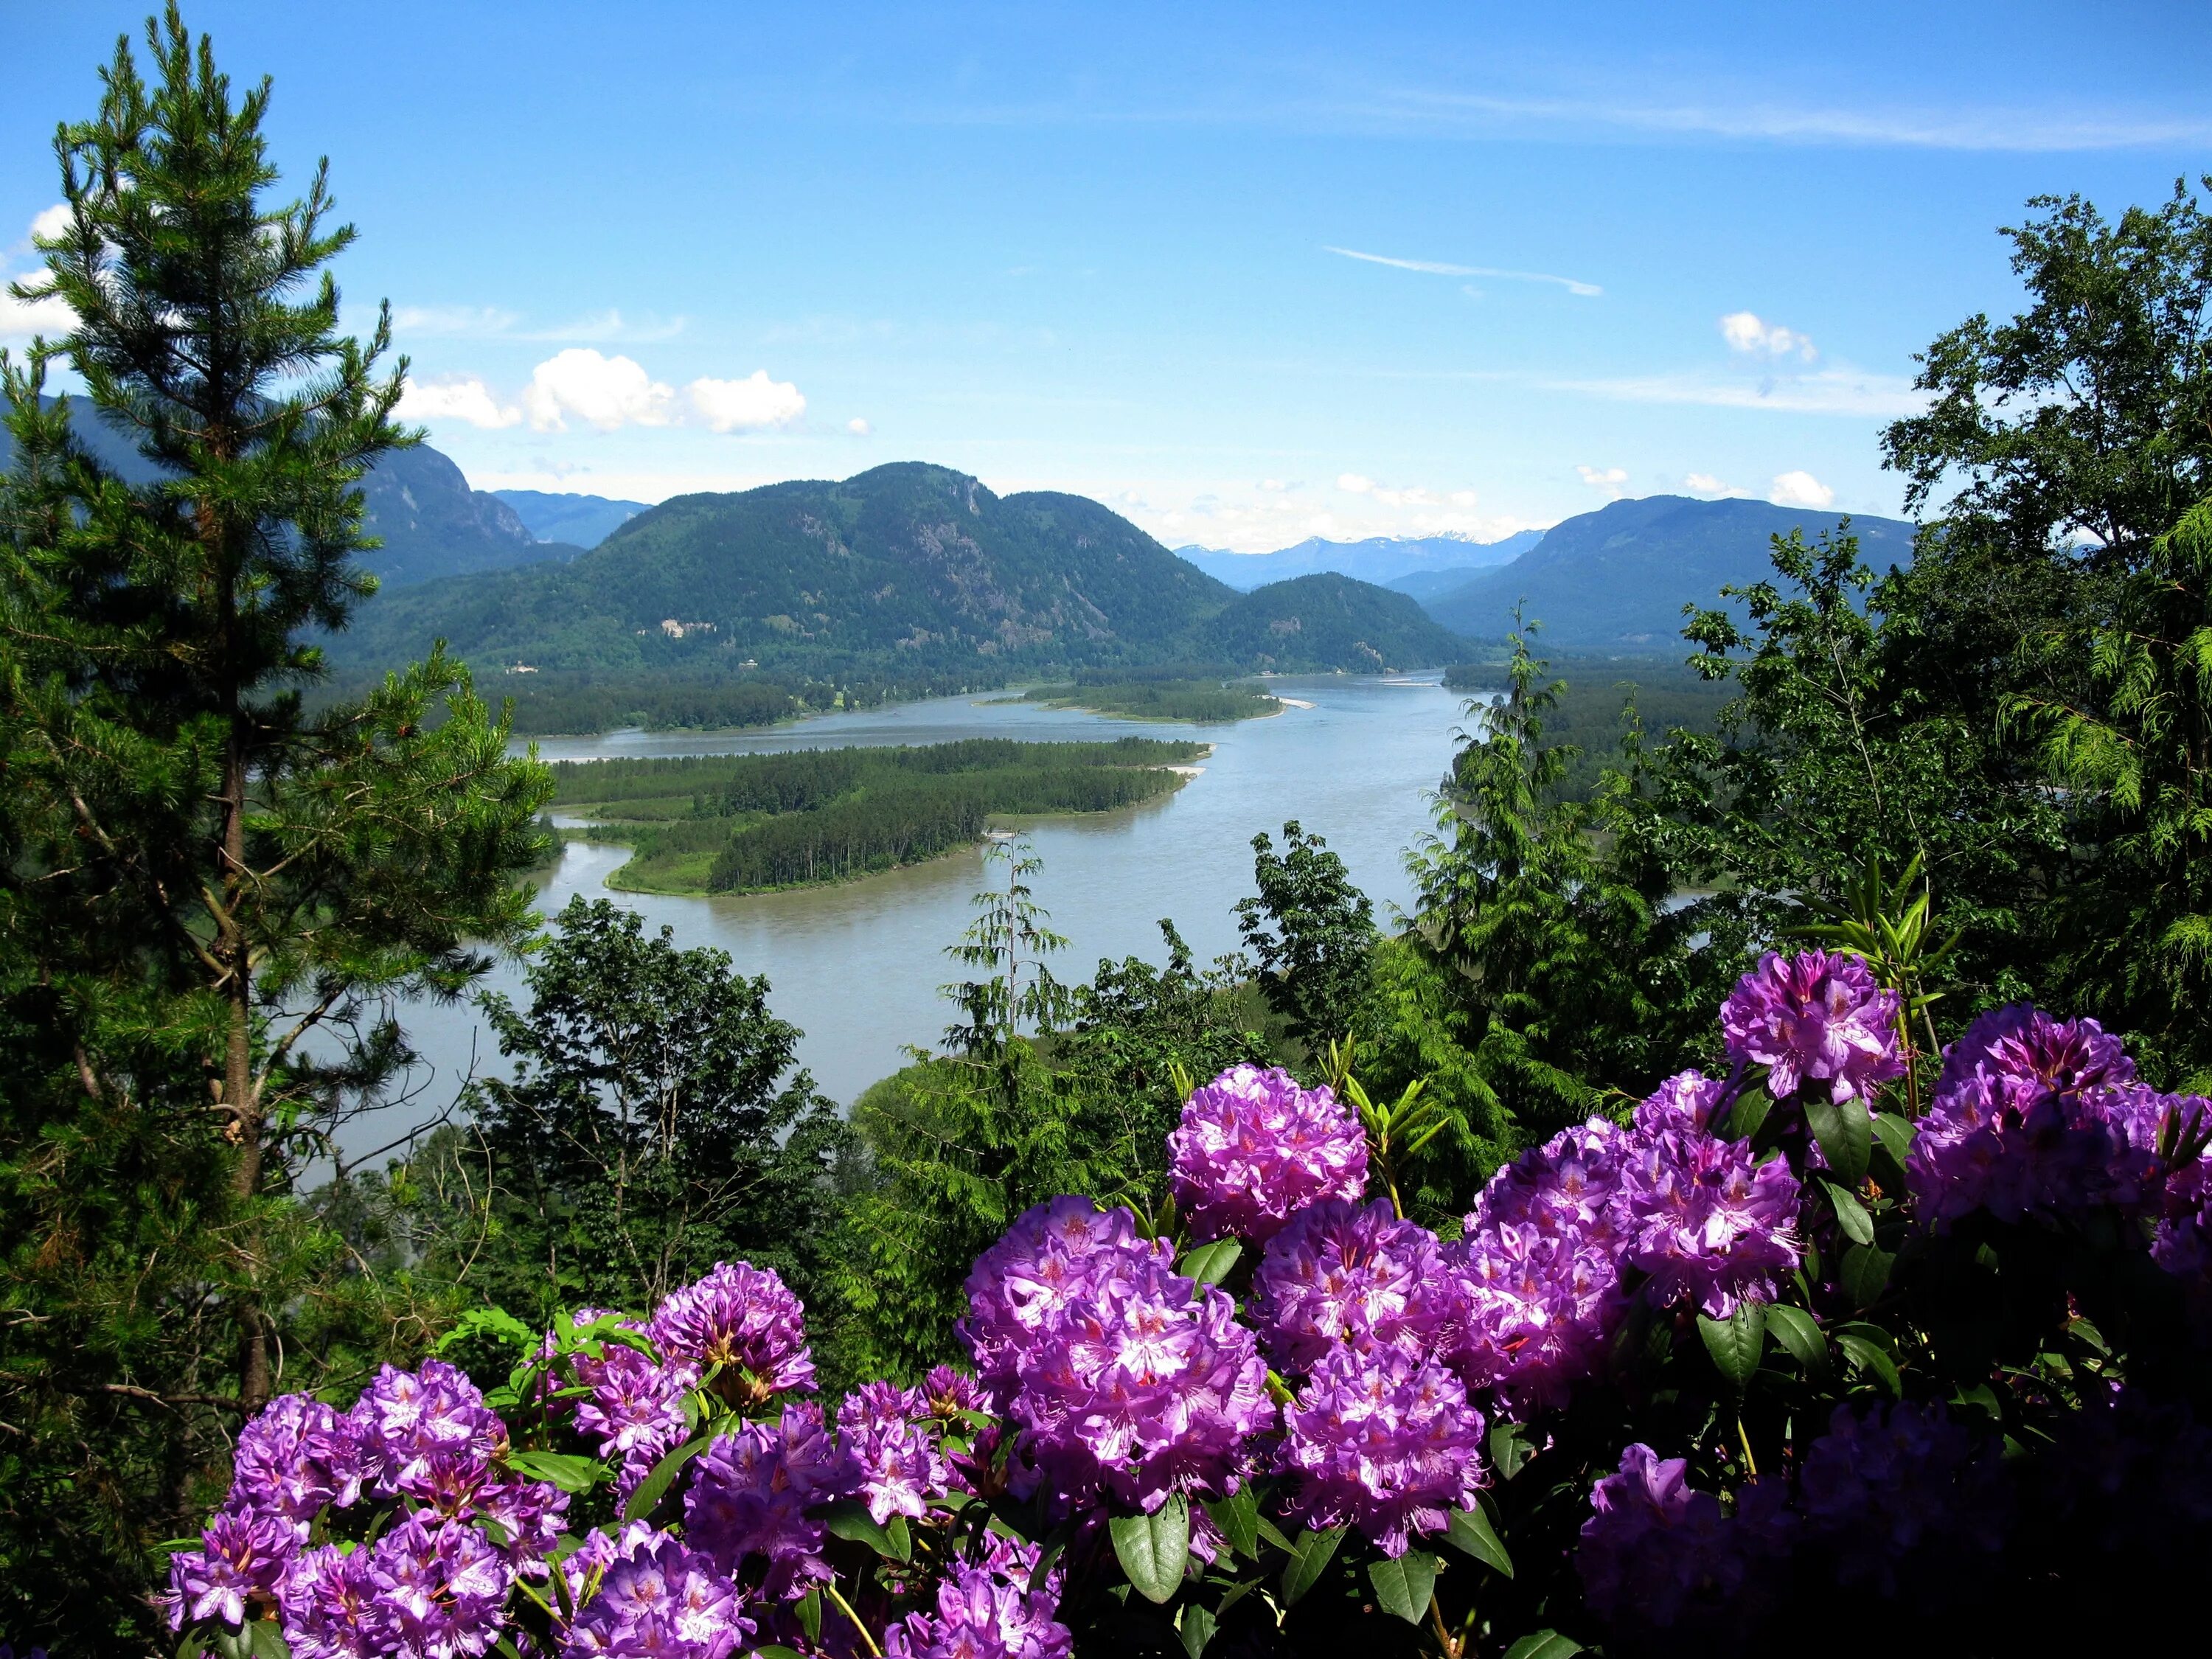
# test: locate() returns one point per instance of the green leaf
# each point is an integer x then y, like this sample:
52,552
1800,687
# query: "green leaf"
1047,1559
1310,1558
901,1538
1237,1519
1749,1113
1272,1534
775,1651
1850,1214
1866,1357
1736,1342
1154,1548
1196,1627
809,1614
1403,1586
1544,1644
1470,1531
1864,1272
1209,1264
267,1641
1846,1136
655,1486
849,1519
1896,1133
563,1469
1509,1451
1793,1328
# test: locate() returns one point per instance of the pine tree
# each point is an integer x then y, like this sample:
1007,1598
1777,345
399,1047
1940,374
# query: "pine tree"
214,894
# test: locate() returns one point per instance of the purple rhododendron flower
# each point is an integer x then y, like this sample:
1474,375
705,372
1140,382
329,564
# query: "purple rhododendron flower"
1709,1223
1568,1187
739,1316
2031,1116
295,1458
634,1411
656,1597
1814,1018
1384,1441
243,1557
1653,1545
751,1491
404,1417
1121,1375
328,1600
1902,1493
1686,1100
1048,1259
441,1589
987,1610
887,1431
952,1392
1341,1275
1534,1312
1254,1149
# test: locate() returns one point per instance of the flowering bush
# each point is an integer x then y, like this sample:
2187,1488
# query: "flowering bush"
1695,1381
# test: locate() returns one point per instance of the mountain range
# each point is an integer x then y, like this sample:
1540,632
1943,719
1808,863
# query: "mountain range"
905,571
1617,579
1380,559
579,520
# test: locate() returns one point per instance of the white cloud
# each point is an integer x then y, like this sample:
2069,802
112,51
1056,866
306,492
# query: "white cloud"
1353,483
746,405
1801,489
21,319
1822,391
50,221
858,426
1439,268
458,398
1613,480
609,326
452,319
1705,483
1744,331
605,391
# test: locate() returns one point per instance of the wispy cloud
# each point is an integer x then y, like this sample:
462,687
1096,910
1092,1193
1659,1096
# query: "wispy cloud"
1827,391
608,328
1439,268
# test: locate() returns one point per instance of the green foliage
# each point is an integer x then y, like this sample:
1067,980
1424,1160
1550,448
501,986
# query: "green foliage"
1312,931
653,1126
210,897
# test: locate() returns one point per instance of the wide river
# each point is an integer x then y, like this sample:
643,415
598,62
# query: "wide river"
857,966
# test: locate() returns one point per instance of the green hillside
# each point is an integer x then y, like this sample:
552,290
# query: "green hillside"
906,573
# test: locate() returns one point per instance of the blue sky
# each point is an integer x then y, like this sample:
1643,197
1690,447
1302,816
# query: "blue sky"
1245,273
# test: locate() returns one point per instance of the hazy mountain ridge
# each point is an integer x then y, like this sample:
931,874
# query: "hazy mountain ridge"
582,521
1379,559
1618,578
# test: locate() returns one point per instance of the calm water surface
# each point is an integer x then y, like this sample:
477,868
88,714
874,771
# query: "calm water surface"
856,966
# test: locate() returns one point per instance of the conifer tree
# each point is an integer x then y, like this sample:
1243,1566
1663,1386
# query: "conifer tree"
214,894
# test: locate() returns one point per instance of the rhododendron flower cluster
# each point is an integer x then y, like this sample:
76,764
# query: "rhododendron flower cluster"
1654,1549
752,1490
742,1317
1814,1018
658,1597
1123,1375
1340,1275
1254,1148
987,1610
888,1431
1384,1442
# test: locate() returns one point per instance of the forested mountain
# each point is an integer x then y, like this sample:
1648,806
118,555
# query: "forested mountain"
1620,577
579,520
907,569
431,522
1380,559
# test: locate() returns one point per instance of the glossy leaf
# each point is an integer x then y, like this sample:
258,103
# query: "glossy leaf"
655,1486
1850,1214
563,1469
849,1519
1510,1450
775,1651
1544,1644
1793,1328
1736,1342
1237,1519
1209,1264
1403,1586
1846,1136
1153,1549
809,1614
1897,1134
1470,1532
1869,1358
1864,1273
1310,1558
1196,1627
1748,1114
1047,1559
